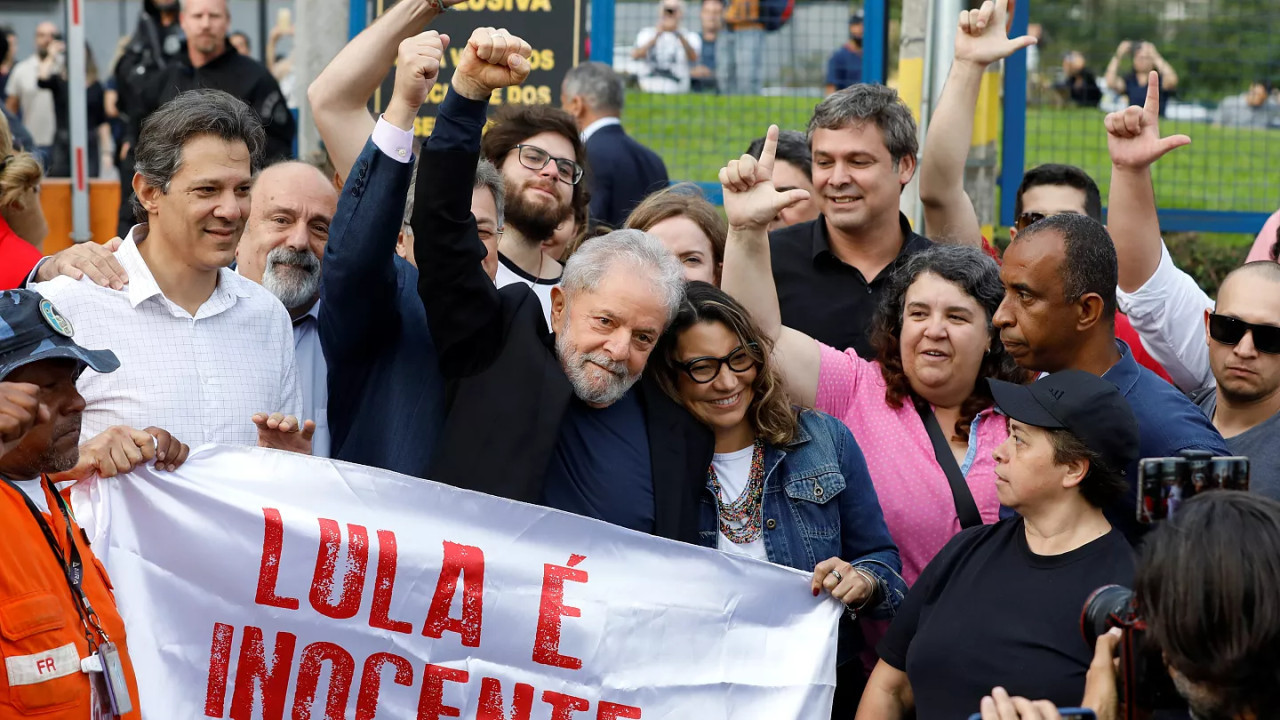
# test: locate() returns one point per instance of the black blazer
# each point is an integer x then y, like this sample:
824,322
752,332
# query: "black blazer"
623,173
507,392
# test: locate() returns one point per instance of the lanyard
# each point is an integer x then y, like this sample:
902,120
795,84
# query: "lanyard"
72,568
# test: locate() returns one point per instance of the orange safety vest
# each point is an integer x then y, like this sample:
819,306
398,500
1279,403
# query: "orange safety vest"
42,637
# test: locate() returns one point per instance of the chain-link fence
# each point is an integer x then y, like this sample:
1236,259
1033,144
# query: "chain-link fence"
699,97
1217,61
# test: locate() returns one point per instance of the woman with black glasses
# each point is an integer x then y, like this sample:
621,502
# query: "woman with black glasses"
786,485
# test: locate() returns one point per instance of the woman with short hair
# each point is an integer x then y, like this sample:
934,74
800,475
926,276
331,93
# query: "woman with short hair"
1000,604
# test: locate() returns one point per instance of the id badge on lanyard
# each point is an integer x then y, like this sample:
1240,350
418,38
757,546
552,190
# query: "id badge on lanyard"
109,687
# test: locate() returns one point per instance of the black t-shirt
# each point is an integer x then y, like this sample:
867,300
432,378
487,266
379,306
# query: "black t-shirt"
820,295
987,611
601,466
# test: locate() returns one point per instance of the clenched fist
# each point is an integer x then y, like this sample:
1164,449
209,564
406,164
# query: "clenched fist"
492,59
417,68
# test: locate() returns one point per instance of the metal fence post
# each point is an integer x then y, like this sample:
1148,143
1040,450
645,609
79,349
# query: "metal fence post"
1013,138
602,31
875,39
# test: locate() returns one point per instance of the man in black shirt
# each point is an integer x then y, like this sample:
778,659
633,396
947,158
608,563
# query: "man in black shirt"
209,61
831,272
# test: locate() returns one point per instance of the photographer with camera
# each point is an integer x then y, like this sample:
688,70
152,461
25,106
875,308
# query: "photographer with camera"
1000,604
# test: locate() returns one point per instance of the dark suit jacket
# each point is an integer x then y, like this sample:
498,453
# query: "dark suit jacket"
623,173
508,393
386,394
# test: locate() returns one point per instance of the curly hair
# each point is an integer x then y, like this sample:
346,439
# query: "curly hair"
979,276
770,413
19,171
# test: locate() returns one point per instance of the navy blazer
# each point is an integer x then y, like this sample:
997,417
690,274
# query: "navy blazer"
386,393
623,172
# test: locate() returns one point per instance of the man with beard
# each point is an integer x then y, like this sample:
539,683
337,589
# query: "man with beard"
542,160
1236,378
845,66
1058,313
206,353
560,419
290,209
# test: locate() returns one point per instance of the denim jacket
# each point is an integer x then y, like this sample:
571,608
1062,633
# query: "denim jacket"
819,503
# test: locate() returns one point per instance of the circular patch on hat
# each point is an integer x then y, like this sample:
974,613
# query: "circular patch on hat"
60,324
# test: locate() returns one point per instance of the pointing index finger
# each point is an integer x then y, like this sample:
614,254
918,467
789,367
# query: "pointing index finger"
1152,104
769,151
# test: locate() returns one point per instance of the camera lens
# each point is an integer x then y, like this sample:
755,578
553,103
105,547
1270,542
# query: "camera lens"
1106,608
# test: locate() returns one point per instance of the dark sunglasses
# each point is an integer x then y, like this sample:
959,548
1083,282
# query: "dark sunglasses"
703,370
1229,331
1028,218
535,158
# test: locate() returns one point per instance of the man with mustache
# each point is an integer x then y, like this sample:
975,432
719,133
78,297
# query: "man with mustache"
205,353
290,209
49,570
543,163
831,272
564,419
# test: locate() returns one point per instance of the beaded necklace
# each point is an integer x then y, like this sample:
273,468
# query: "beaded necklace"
747,508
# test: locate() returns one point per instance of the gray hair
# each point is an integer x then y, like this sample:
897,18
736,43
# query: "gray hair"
597,84
487,176
639,251
195,113
861,103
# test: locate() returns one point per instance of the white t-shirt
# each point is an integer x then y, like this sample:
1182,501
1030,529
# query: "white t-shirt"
35,102
667,65
34,489
733,470
510,274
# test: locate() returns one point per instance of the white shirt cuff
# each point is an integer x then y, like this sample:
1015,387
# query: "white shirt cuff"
395,143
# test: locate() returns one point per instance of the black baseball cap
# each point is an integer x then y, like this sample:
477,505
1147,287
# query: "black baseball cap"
1081,403
31,329
855,18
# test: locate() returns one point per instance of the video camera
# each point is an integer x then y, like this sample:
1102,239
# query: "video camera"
1166,483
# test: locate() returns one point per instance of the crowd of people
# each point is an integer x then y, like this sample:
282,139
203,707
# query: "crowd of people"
945,436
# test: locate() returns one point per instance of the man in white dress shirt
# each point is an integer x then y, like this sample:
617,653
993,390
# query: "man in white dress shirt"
290,209
204,353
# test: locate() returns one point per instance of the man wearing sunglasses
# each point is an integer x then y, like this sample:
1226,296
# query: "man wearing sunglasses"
1236,378
543,164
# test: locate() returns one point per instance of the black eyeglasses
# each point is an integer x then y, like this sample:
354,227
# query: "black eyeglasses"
1229,331
535,158
1028,218
703,370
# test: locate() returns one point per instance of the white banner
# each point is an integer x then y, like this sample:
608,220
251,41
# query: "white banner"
260,584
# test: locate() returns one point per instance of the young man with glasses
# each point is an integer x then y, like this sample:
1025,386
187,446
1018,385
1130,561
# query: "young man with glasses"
1236,378
540,154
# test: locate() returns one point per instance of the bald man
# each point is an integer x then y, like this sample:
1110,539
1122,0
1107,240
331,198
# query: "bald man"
290,209
30,101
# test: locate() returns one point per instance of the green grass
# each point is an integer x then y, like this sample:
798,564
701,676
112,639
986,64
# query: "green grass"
1223,169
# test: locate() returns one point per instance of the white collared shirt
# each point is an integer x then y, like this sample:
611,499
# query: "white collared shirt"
201,378
313,374
603,122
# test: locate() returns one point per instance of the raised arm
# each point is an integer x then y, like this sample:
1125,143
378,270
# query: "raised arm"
981,39
359,285
750,203
339,96
1112,78
464,309
1134,142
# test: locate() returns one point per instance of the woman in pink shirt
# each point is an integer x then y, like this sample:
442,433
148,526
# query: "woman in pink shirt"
936,346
